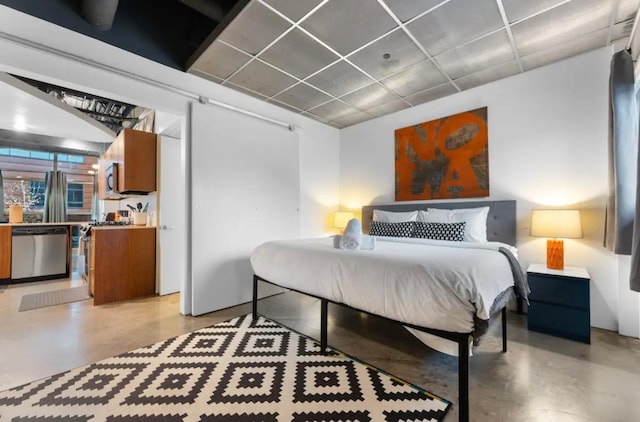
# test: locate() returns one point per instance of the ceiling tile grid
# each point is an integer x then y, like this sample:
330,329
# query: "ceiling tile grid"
344,62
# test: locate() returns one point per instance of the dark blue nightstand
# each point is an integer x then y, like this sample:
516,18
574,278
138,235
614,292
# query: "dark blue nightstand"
559,302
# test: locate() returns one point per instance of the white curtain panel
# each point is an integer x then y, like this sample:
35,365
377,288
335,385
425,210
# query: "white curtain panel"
55,197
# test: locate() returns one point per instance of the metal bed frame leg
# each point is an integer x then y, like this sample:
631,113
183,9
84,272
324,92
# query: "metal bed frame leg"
504,330
323,325
463,379
254,309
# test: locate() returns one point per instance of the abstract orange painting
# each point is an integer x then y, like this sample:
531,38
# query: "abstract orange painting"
443,158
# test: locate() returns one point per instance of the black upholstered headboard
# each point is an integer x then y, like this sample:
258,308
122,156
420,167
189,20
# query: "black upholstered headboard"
501,221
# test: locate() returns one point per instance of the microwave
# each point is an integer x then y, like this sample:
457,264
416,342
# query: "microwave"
111,179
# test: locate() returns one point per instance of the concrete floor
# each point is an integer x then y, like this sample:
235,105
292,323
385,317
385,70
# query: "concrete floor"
541,378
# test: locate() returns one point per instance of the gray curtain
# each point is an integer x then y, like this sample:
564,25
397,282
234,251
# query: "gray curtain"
634,278
623,155
1,198
55,197
95,211
622,236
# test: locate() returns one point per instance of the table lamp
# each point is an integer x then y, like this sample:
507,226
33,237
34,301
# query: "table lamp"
558,224
341,218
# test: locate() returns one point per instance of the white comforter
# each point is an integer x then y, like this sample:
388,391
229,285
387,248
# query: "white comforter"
436,284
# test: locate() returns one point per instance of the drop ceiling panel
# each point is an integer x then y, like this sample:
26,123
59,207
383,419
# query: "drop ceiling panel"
245,90
302,96
431,94
254,28
417,78
406,10
314,117
402,51
352,119
455,23
388,108
284,105
294,10
520,9
310,56
333,110
489,75
369,96
562,51
347,25
339,79
476,56
466,38
562,24
262,78
220,60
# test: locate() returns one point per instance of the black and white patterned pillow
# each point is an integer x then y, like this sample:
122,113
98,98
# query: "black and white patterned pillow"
379,228
439,231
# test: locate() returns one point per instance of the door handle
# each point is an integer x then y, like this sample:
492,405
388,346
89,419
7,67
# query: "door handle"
165,227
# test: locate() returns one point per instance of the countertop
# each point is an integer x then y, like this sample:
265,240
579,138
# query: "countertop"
128,227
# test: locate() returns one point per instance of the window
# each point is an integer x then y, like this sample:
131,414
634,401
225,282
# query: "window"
41,155
75,195
37,193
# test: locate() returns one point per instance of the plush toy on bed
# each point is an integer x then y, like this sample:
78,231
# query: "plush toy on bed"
352,238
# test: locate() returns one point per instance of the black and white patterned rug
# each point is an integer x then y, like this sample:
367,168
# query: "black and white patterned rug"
238,370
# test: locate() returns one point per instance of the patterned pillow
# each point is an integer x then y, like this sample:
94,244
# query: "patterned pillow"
379,228
439,231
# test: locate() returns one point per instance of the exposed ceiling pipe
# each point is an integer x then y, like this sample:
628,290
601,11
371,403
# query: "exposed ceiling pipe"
99,13
209,8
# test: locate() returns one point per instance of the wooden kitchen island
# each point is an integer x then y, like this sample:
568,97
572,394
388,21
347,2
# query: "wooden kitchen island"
122,263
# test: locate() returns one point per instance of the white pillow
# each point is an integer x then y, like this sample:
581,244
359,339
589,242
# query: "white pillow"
476,219
394,217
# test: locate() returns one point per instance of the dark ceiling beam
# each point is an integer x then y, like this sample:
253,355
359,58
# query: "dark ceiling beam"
209,8
222,25
99,13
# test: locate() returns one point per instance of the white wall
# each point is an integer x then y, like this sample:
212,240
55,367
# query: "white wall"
547,147
99,72
246,191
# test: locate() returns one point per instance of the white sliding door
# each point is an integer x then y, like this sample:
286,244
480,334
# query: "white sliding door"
245,191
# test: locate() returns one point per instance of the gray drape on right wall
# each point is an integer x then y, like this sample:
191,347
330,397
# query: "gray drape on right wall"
622,236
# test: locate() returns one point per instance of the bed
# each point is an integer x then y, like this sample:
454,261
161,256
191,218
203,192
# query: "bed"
410,281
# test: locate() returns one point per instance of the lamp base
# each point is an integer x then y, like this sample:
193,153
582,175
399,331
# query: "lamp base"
555,254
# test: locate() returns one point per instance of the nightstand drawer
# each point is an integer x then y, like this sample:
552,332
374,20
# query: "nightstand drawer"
563,322
564,291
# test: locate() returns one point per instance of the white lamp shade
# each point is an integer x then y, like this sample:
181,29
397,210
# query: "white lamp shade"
556,223
341,218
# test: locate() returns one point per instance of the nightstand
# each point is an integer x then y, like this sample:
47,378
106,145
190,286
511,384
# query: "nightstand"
559,302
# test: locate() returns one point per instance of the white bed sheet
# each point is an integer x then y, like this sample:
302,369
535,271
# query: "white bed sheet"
436,284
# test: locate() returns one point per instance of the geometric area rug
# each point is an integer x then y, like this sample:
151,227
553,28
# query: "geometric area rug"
239,370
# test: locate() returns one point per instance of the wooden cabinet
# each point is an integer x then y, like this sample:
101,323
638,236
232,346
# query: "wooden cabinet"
122,263
559,302
5,252
134,152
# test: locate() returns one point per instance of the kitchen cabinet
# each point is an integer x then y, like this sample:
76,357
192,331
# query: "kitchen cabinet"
5,252
134,152
122,263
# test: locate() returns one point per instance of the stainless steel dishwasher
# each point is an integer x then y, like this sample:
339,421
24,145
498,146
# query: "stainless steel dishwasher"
39,253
